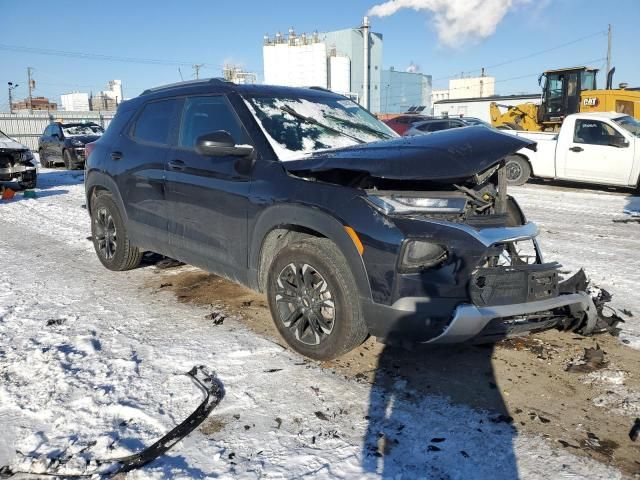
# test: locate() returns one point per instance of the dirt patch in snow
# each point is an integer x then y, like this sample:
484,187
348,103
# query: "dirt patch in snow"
523,381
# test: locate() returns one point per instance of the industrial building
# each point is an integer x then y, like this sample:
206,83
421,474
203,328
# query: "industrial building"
33,103
75,102
479,107
466,87
236,74
108,99
336,60
403,90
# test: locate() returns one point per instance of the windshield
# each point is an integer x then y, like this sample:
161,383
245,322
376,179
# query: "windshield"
630,124
297,127
82,129
2,134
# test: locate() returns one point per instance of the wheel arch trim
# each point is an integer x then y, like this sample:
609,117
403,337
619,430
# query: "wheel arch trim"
309,218
98,180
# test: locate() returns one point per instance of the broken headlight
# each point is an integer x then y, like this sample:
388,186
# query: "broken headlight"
418,254
404,204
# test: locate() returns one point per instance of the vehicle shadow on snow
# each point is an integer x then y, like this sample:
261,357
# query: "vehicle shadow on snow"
19,193
49,177
633,206
437,412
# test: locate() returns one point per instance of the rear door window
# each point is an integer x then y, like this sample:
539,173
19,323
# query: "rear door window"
210,114
155,122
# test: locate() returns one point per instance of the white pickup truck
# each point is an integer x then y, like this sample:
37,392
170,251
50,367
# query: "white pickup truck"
600,147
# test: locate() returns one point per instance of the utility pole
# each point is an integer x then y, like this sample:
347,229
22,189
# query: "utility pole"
609,49
197,68
31,86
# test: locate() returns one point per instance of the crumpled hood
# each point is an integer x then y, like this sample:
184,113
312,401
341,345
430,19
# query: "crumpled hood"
11,144
448,155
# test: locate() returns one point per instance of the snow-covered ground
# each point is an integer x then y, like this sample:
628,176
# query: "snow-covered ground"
91,364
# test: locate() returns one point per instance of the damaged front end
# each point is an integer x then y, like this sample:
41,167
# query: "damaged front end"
16,165
467,266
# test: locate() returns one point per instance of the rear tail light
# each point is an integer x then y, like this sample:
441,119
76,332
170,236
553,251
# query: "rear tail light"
88,148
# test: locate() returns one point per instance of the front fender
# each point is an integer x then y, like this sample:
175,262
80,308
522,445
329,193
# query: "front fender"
312,218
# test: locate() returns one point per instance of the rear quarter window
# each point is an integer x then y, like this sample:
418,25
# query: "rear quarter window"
155,122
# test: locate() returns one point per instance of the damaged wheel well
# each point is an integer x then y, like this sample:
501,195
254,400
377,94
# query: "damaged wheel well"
276,240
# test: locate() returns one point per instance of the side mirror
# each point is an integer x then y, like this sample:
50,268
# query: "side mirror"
55,135
618,141
221,144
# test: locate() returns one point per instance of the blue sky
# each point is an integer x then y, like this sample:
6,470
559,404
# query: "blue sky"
212,32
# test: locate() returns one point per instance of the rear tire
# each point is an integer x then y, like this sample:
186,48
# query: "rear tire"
518,170
314,300
110,238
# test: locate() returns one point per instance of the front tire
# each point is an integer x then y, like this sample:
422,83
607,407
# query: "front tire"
314,301
518,170
68,161
44,163
110,238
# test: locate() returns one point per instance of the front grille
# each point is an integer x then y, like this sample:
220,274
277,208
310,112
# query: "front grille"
508,285
513,272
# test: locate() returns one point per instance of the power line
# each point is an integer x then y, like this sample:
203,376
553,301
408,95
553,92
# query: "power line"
91,56
525,57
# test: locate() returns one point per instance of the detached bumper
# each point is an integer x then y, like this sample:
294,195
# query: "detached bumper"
492,322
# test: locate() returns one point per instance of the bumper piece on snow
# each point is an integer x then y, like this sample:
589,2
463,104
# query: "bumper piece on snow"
213,394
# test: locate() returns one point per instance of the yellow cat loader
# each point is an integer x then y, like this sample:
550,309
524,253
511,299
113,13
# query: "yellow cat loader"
566,91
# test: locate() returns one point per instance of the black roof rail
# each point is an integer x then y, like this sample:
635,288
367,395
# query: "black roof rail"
315,87
202,81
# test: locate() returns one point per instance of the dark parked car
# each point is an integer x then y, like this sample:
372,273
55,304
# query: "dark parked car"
65,143
16,163
347,228
444,123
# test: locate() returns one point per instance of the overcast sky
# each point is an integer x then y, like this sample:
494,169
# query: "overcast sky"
442,41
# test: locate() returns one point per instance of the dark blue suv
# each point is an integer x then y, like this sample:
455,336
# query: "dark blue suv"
347,228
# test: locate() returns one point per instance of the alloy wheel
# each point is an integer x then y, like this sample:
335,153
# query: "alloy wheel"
305,303
514,171
105,233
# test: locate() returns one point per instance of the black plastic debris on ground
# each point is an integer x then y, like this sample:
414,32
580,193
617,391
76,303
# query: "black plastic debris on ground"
167,262
634,434
55,322
321,416
217,318
213,394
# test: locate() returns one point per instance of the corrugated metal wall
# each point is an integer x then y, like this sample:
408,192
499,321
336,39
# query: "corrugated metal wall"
27,127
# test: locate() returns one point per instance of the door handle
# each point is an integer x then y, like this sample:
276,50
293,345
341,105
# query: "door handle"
116,155
576,149
177,165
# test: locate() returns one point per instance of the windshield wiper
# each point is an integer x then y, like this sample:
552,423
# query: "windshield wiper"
361,126
313,121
